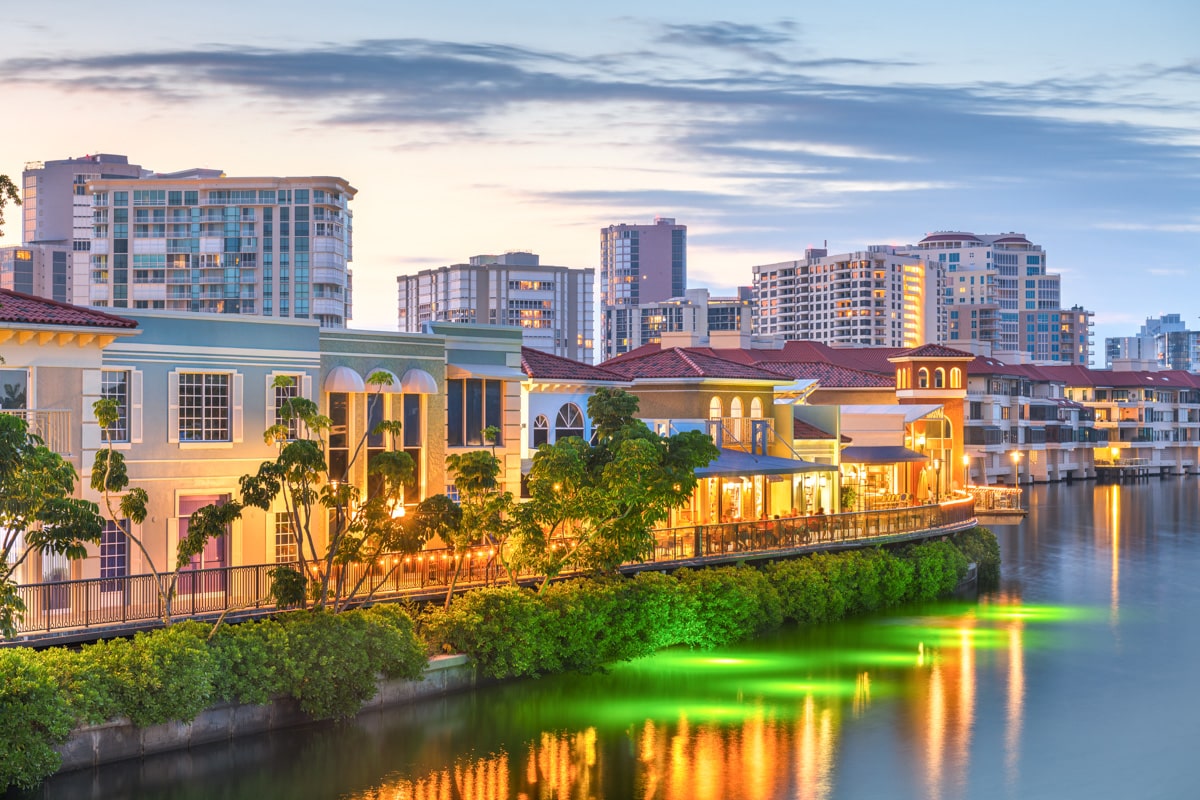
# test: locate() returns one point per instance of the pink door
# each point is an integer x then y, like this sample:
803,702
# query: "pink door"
214,555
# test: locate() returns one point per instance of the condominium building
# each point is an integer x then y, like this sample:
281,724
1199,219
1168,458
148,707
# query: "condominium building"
992,279
695,320
553,305
56,210
201,241
639,264
1051,335
878,297
40,269
1165,341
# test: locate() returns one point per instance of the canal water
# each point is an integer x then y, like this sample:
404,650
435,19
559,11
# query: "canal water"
1078,678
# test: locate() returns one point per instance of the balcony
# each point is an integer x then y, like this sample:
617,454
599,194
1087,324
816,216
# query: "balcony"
52,426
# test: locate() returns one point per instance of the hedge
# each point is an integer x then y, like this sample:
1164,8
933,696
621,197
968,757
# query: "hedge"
330,662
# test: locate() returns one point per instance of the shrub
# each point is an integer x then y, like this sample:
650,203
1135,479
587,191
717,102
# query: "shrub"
251,661
979,545
504,630
391,641
803,589
660,620
34,716
939,567
330,669
727,604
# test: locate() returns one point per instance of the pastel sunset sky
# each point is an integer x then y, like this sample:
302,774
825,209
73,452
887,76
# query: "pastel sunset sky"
766,127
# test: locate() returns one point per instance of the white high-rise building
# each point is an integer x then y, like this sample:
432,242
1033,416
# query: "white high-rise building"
552,304
878,297
200,241
56,211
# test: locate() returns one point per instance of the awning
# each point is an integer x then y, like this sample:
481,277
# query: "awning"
911,413
385,387
880,454
739,464
495,371
343,379
418,381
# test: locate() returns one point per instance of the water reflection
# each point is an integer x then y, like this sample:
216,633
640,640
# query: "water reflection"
767,721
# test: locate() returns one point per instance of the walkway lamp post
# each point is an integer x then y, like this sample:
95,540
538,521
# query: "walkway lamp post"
966,459
1016,459
937,480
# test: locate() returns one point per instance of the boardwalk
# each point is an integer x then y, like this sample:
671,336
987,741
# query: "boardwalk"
88,609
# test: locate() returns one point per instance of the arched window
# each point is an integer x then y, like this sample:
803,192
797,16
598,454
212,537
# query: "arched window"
541,430
735,408
956,378
755,408
569,422
923,378
939,378
900,379
714,408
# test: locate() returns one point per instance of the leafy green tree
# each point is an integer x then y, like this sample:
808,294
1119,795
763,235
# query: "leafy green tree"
595,505
486,511
126,507
38,513
360,529
8,191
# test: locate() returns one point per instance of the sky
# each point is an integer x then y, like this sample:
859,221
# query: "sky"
766,128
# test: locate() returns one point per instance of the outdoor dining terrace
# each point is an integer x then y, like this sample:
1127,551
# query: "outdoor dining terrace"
80,610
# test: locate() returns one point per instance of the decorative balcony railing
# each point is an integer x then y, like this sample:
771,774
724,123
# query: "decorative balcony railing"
52,426
133,601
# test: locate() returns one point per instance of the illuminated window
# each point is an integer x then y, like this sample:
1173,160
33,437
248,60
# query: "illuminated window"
714,408
923,378
956,378
939,378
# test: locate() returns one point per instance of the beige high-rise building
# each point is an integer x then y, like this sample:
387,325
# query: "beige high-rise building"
875,297
201,241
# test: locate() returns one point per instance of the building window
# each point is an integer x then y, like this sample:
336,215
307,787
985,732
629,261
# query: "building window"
114,555
285,539
114,385
939,378
735,408
714,408
14,386
923,378
568,423
339,435
472,405
756,408
955,378
281,395
541,430
205,410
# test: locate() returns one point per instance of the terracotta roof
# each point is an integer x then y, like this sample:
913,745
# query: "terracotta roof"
808,432
18,307
678,362
831,375
935,351
952,237
546,366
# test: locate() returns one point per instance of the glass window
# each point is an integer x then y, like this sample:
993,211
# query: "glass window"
472,405
541,430
14,388
569,422
114,385
339,435
205,410
285,539
282,395
114,556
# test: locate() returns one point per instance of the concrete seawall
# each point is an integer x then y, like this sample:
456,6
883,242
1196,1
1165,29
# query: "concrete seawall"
117,740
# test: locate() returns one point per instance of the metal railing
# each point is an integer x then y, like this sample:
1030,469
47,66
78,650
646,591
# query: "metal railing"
61,606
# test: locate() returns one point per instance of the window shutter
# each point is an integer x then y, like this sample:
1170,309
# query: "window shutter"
306,386
237,406
135,406
269,416
173,407
90,430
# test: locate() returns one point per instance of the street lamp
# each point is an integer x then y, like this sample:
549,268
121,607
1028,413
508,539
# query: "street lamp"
1016,459
966,470
937,478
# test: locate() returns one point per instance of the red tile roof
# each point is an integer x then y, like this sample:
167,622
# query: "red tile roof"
18,307
935,351
831,375
679,362
546,366
807,432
